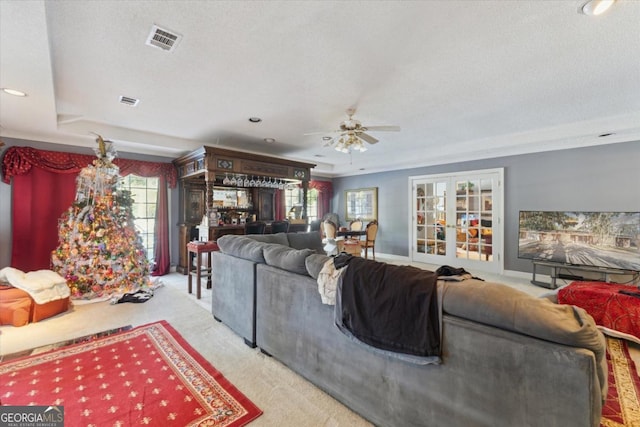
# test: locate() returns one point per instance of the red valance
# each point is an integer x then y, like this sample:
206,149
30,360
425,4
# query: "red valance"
325,187
20,160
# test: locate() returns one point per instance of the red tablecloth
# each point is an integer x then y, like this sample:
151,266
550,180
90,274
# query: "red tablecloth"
605,304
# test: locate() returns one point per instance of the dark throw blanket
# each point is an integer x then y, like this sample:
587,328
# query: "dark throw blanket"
394,308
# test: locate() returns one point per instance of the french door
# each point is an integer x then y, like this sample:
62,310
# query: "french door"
456,219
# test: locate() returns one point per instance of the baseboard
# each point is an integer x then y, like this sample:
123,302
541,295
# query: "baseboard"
394,257
523,274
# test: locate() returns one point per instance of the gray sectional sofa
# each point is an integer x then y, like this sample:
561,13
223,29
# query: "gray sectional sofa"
508,359
234,270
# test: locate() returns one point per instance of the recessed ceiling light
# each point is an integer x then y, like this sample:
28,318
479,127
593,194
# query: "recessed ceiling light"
13,92
596,7
270,140
326,138
255,119
318,155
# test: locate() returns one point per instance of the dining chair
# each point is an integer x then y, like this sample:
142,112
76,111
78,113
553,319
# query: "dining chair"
255,227
370,239
330,229
329,242
279,227
333,217
356,225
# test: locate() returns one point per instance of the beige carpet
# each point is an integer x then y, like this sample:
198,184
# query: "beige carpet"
285,397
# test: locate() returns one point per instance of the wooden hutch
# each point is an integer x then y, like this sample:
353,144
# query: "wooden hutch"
206,171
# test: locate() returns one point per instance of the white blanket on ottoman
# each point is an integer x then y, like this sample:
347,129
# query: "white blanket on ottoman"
43,285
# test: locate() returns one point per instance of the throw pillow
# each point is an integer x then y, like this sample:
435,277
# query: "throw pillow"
242,247
304,240
279,238
287,258
314,264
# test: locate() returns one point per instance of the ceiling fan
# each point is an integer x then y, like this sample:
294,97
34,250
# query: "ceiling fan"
352,134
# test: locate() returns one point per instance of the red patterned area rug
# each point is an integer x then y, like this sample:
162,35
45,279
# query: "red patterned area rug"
622,407
148,375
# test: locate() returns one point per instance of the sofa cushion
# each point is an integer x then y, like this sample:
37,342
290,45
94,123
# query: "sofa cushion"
508,308
242,247
287,258
314,264
279,238
304,240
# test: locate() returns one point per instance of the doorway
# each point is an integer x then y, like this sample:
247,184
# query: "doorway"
456,219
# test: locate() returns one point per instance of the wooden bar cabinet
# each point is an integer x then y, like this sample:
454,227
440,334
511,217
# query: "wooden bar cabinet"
206,171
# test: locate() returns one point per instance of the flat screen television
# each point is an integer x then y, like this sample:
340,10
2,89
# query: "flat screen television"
597,239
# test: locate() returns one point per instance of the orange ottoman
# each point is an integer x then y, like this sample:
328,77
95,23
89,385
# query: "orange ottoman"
49,309
15,306
46,291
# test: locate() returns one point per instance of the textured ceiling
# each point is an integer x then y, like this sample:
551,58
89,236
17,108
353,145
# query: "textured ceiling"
463,79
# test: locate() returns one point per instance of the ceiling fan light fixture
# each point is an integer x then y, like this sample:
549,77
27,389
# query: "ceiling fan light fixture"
358,145
352,135
596,7
349,143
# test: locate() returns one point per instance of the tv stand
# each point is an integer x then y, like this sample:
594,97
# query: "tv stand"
556,269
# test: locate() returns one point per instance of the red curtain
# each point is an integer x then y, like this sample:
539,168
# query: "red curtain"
280,205
39,199
161,255
325,193
44,186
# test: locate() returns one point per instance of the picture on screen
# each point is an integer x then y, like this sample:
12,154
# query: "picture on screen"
599,239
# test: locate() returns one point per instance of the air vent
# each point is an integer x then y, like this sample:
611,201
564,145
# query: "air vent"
129,101
163,38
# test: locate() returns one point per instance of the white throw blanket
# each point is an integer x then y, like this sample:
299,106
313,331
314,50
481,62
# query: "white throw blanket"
43,285
328,282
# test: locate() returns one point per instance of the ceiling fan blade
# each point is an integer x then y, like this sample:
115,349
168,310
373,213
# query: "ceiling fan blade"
382,128
367,138
322,132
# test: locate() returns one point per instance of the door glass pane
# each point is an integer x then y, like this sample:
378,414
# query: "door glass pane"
430,218
420,239
486,219
474,219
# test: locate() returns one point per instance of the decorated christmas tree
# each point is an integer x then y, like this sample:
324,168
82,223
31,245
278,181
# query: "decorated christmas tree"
100,252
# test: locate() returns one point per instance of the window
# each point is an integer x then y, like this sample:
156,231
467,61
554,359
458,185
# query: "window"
144,192
293,203
312,205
